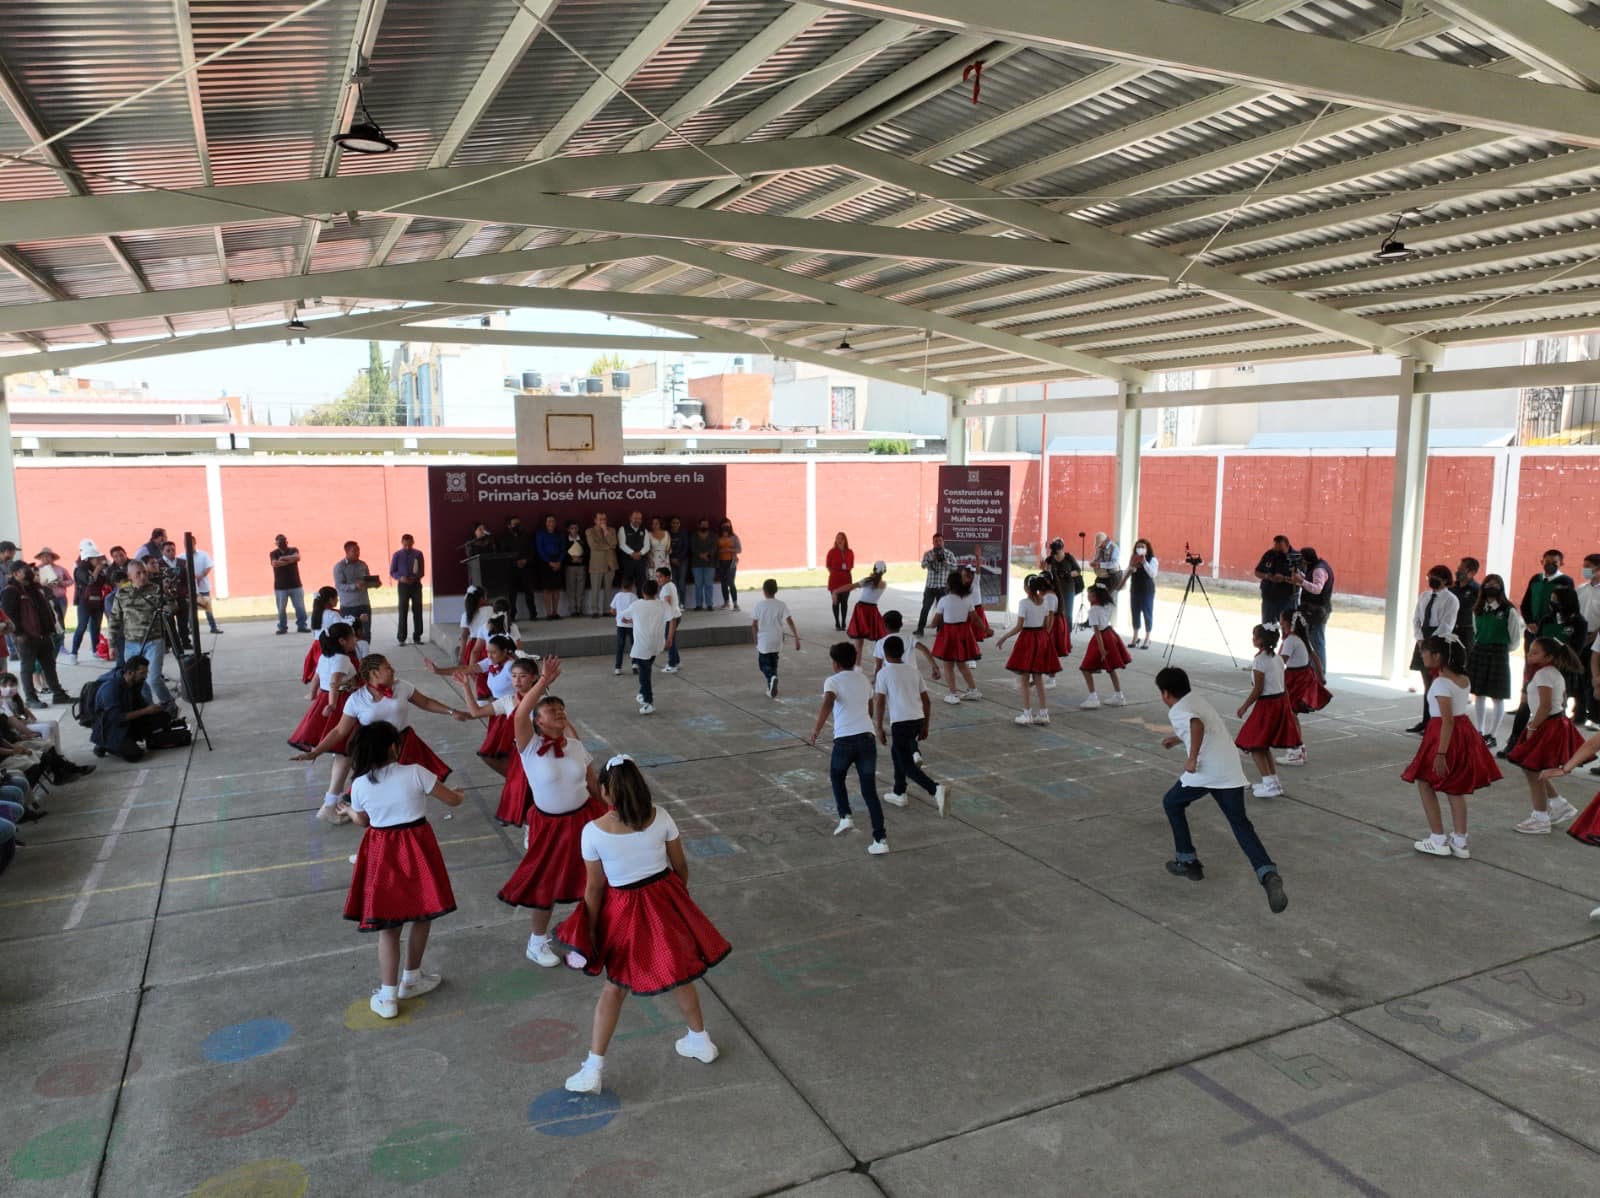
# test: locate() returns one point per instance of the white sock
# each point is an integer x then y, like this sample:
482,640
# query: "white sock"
329,799
386,992
1458,839
1497,712
538,939
1436,837
594,1060
1477,714
697,1039
409,976
1540,817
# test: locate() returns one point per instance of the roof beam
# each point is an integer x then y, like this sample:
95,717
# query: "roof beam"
1538,33
1195,42
197,117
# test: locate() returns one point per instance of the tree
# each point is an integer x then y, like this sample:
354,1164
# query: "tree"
367,399
606,362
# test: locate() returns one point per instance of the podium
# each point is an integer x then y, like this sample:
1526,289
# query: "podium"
495,574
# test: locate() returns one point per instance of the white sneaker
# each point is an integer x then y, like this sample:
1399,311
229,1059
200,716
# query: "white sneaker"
527,833
1117,700
845,825
974,693
424,984
576,960
916,756
1460,851
353,857
939,799
1432,847
704,1052
1050,682
540,954
952,698
73,658
878,848
329,813
586,1080
1533,826
1041,717
1561,811
614,673
772,687
646,708
384,1008
1267,788
895,800
1090,704
639,698
1292,757
669,669
1025,718
1595,914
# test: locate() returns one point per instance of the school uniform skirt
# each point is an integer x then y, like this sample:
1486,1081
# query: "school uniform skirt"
515,796
499,739
399,878
1034,653
650,937
1061,635
980,619
1305,690
1587,826
956,642
1105,652
415,751
552,870
1271,724
866,623
1469,765
313,726
308,668
1489,671
1555,741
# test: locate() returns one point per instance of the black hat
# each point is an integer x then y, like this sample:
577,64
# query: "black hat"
8,545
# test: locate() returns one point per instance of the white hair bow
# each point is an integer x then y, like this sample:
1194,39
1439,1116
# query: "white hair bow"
614,762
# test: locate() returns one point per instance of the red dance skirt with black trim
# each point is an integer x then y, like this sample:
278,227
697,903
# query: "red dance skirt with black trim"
1033,653
552,870
308,668
866,623
1469,765
499,739
399,878
1105,652
313,726
515,797
1305,690
1061,635
980,621
1555,741
1587,826
652,936
1271,724
956,642
415,751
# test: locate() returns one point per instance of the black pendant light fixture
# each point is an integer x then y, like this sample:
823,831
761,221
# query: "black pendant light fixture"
365,135
844,342
296,325
1393,249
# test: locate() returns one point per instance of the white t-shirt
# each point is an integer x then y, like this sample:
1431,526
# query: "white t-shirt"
477,624
669,597
330,617
1217,766
851,692
904,687
368,708
395,794
954,609
906,641
327,667
559,784
1442,687
1551,677
649,621
769,615
870,594
500,681
629,857
505,705
1099,617
1270,666
202,580
620,603
1293,652
1034,614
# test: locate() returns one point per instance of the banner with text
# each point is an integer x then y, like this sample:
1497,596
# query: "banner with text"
975,518
461,497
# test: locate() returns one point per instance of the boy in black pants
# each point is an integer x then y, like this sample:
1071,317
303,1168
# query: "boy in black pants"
902,696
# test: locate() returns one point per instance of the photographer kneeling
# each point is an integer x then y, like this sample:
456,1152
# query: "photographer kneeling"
125,713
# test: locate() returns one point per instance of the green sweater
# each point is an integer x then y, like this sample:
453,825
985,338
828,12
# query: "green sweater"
1493,627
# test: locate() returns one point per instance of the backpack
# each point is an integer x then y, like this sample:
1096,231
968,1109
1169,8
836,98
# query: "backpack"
83,705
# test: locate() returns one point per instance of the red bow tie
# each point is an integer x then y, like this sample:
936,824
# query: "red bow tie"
496,669
548,743
386,692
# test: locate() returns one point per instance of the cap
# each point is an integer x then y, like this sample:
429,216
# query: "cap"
87,549
6,546
47,552
880,567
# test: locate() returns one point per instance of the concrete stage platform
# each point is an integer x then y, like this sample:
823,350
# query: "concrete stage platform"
1018,998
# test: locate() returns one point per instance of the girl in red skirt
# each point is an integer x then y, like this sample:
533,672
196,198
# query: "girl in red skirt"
980,618
494,669
1106,652
1549,738
637,921
1034,658
400,876
381,698
841,561
1303,679
1272,723
1060,630
514,795
336,678
866,620
325,614
566,796
1586,827
955,642
1452,759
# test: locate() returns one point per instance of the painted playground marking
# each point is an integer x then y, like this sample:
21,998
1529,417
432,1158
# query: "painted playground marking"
242,1041
419,1151
562,1113
92,878
85,1074
257,1179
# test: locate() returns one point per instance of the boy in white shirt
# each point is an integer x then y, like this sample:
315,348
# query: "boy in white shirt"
667,592
647,617
894,621
902,696
1212,768
767,619
847,697
620,603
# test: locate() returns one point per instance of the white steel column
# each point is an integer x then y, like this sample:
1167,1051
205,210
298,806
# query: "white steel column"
1405,517
219,531
1503,515
955,442
10,521
1127,511
1216,517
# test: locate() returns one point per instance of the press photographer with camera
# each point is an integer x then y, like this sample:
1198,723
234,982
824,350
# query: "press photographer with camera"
1276,570
1315,580
133,626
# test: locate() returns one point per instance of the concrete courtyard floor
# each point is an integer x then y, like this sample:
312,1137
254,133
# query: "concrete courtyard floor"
1018,998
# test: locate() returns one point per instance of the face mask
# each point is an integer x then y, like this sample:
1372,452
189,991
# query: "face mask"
1588,571
7,692
1435,584
1551,568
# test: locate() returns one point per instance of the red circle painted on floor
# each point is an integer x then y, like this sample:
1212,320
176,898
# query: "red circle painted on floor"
614,1178
541,1040
242,1109
85,1074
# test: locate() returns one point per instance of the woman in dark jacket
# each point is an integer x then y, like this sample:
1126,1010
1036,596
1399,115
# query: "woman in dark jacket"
89,585
550,547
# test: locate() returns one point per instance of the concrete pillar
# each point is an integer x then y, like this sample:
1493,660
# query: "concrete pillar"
1405,517
10,521
955,442
1127,509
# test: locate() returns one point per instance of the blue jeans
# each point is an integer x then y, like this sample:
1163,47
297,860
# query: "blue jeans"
624,639
1317,633
1271,609
1231,800
155,652
297,596
769,665
1143,606
861,751
672,650
88,625
703,576
643,664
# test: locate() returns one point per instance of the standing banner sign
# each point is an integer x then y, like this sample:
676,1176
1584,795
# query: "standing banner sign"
975,518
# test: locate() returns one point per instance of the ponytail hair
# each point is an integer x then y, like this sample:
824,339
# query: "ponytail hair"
629,792
370,665
373,746
1297,623
472,602
1560,654
327,598
958,585
1452,651
496,628
1267,634
330,637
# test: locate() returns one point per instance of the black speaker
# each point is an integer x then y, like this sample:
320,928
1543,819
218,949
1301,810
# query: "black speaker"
194,672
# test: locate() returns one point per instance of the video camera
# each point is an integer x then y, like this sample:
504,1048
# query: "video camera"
1297,562
1194,560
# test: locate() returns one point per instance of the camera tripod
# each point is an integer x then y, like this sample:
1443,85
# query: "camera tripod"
169,634
1195,584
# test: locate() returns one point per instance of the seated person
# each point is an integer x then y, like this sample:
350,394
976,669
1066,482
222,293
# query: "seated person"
125,712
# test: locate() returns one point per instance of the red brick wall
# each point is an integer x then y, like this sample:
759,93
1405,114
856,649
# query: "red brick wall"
1082,496
1455,516
729,396
885,508
1556,509
1177,504
116,505
767,504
